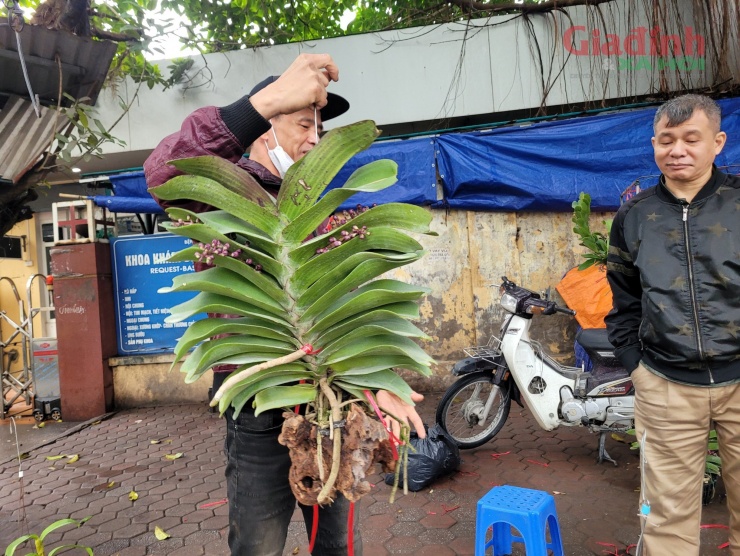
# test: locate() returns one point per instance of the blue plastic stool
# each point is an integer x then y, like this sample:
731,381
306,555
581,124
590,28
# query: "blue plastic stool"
529,511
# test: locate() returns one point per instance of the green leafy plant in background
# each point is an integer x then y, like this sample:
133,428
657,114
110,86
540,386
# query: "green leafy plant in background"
314,323
38,540
712,465
596,242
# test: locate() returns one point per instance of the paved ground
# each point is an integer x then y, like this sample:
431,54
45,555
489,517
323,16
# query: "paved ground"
185,497
30,435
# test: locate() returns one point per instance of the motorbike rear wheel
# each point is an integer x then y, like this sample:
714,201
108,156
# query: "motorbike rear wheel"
460,410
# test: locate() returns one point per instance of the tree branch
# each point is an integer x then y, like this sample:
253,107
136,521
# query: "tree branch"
470,5
116,37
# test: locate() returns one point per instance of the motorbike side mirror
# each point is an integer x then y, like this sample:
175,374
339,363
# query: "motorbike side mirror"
546,294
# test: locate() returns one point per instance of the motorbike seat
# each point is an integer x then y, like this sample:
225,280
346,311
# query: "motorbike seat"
594,339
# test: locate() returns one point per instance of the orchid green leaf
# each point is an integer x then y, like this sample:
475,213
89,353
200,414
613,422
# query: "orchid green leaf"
229,175
283,396
370,178
210,192
305,182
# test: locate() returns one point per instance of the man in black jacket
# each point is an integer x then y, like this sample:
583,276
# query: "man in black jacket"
674,270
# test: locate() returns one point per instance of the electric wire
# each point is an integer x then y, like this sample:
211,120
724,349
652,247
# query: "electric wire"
21,488
17,23
644,502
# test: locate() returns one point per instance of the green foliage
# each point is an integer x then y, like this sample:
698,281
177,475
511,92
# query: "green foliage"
85,136
221,26
713,463
38,540
249,23
596,242
287,290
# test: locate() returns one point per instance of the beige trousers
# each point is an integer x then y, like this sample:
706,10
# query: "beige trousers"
677,419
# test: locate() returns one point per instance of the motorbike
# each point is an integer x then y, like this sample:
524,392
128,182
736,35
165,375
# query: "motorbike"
515,367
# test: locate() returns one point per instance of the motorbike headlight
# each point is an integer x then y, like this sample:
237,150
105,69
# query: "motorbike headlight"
508,303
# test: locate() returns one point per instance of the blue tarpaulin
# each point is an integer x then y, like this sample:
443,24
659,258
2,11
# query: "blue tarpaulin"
544,167
417,181
130,195
140,205
539,167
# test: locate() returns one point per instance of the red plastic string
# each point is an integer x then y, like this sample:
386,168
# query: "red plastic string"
212,504
717,526
314,528
392,436
538,463
351,530
448,509
297,408
308,348
613,546
496,456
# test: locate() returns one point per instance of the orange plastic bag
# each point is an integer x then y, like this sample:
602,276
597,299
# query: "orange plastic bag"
587,292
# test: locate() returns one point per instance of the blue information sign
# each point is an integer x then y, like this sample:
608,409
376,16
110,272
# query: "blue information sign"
140,268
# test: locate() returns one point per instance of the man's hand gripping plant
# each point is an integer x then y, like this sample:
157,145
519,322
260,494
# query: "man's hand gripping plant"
313,325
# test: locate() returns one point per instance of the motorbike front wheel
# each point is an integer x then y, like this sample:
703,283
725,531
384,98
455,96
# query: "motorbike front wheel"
460,412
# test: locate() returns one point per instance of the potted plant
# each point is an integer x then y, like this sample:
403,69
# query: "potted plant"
315,325
585,288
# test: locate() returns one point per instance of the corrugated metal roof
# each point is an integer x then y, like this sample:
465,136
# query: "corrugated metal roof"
23,136
85,63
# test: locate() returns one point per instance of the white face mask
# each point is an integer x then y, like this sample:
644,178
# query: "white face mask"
279,157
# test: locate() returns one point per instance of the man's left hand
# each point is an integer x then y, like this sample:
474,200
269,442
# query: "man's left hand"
407,413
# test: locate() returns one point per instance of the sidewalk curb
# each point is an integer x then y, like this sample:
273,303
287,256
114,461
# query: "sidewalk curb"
68,432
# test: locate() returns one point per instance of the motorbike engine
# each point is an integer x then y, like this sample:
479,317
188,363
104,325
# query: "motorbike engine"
578,410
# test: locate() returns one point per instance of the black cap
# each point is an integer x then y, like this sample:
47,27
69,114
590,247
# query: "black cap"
335,105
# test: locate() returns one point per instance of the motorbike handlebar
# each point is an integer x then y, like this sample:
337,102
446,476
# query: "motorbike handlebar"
548,307
534,303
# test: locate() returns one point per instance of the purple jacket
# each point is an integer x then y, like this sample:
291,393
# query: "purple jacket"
225,132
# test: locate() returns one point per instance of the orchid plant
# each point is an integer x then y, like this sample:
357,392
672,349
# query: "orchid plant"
315,324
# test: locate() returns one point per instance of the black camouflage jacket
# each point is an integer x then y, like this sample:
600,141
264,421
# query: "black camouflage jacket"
674,270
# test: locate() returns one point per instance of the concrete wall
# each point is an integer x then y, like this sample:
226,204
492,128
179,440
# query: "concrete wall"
428,73
147,380
463,268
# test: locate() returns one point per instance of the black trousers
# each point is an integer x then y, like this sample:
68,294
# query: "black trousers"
261,502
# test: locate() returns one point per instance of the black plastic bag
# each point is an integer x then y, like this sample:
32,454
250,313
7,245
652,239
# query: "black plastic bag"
435,456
